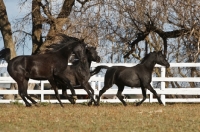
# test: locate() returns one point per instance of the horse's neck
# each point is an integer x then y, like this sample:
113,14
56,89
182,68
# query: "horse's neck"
84,66
149,64
89,63
65,54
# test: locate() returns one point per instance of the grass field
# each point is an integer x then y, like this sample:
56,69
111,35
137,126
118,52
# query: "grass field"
105,118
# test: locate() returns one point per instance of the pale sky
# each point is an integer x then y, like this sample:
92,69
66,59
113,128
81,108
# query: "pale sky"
13,12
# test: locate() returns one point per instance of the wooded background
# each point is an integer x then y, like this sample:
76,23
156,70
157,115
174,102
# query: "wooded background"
123,30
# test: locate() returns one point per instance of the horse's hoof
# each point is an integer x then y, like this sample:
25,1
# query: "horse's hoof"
28,105
89,103
74,101
161,103
71,101
38,105
74,97
96,104
138,104
125,104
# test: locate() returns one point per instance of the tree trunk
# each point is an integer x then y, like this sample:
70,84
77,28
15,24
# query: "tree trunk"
5,28
56,25
36,26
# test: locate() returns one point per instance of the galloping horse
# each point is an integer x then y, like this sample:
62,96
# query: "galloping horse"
79,73
47,66
136,76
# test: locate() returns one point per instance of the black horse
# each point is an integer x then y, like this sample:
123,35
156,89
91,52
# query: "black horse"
136,76
79,73
46,66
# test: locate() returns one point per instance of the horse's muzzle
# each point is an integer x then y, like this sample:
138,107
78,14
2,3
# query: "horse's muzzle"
168,65
98,59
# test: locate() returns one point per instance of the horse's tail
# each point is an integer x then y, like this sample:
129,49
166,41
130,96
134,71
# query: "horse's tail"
97,70
5,54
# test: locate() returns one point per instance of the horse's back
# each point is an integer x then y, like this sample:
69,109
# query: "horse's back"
16,63
121,75
32,66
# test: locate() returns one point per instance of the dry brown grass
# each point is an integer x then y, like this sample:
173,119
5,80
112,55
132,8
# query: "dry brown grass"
107,117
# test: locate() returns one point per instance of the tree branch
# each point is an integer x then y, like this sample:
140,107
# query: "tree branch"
140,37
83,2
66,9
22,32
47,12
164,35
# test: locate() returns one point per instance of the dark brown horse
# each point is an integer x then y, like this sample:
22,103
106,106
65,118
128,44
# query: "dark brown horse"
136,76
46,66
79,73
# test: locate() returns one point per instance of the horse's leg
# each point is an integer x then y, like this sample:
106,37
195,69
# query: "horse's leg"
150,88
91,100
31,99
68,84
119,94
64,93
144,96
26,94
88,87
53,84
74,97
103,90
22,91
61,85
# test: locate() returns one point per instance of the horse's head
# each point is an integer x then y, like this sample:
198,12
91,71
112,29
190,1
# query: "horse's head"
92,54
161,59
5,54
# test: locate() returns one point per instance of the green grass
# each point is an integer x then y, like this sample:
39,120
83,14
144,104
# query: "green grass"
106,117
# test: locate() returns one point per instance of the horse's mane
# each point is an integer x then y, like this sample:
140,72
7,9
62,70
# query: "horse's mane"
145,58
54,47
5,54
65,41
66,38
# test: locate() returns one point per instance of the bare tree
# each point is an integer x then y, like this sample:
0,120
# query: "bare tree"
6,31
137,27
122,28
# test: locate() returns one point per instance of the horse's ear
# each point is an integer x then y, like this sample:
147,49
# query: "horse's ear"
82,40
87,46
159,52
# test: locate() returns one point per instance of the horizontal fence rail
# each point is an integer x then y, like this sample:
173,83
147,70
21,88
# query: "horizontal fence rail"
97,83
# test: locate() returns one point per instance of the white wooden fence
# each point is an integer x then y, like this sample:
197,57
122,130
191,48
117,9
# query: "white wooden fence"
96,83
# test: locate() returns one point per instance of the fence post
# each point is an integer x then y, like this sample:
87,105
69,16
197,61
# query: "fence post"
98,86
93,84
99,83
151,95
163,71
42,89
